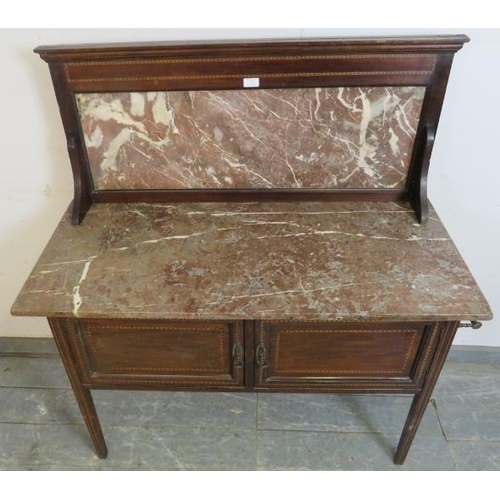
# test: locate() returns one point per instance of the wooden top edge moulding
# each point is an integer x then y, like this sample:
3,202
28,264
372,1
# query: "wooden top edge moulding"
433,44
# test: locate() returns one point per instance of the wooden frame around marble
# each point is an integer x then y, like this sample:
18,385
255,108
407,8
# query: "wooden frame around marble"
424,61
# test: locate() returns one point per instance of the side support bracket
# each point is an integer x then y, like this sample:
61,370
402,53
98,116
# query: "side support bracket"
418,193
82,200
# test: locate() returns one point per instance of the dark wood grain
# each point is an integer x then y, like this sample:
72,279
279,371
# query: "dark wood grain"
424,145
359,357
246,195
62,337
429,120
82,180
320,46
145,353
420,401
313,357
274,71
249,327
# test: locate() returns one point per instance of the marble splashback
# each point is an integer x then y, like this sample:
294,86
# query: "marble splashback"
234,139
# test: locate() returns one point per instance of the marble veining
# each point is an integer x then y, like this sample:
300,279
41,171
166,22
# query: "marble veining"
310,261
355,137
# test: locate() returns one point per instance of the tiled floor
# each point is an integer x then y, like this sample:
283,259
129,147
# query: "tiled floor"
41,428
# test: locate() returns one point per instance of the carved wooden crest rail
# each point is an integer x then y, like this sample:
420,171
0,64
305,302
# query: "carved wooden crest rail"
256,222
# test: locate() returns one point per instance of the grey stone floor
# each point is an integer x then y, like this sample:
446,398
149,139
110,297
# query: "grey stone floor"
41,428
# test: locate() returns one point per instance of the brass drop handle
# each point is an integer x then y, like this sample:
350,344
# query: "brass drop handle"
238,355
261,355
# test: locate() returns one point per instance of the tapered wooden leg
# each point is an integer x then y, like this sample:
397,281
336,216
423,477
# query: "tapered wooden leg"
421,400
83,395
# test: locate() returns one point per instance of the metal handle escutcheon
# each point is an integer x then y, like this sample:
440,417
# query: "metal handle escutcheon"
261,356
238,355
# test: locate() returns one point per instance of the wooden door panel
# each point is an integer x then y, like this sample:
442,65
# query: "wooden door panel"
334,354
183,353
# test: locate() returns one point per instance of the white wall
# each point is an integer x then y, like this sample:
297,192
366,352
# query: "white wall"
36,182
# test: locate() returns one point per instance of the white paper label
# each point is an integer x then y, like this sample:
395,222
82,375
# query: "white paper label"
251,82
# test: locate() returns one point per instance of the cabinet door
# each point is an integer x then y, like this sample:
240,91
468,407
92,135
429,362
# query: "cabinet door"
184,354
364,357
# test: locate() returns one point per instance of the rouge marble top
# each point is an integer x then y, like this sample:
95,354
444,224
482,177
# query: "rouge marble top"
322,261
